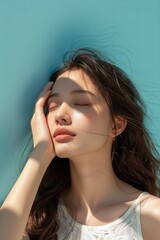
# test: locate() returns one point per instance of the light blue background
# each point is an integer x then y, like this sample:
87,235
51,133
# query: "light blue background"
34,34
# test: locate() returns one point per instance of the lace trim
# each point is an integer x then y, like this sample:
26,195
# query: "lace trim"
126,227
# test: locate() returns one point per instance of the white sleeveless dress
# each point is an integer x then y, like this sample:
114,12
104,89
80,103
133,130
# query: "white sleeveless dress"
127,227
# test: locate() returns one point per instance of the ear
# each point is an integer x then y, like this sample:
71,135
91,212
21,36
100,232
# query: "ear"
120,125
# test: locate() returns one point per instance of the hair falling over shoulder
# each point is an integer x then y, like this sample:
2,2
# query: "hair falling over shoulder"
135,158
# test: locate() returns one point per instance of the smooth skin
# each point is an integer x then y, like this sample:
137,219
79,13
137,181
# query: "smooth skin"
90,164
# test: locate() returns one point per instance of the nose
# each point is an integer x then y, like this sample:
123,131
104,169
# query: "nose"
63,115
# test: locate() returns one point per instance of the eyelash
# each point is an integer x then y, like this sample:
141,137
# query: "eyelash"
55,106
82,104
76,104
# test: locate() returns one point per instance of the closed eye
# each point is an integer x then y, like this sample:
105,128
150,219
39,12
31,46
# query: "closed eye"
82,104
53,107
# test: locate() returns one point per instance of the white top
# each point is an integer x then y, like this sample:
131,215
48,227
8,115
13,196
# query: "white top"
127,227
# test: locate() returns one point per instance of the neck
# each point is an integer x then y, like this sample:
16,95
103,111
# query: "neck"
93,182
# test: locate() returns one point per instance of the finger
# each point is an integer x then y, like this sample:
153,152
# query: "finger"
43,96
44,93
40,104
47,87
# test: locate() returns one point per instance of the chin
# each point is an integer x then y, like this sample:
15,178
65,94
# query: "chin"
67,154
64,150
62,153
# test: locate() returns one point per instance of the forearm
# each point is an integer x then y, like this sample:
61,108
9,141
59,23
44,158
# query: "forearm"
16,208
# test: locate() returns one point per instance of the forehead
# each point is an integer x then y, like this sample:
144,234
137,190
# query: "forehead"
74,79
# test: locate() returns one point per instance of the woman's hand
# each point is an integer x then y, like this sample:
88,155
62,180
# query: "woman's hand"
17,206
42,141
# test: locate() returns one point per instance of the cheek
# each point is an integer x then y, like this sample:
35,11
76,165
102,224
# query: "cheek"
82,116
51,122
91,122
82,120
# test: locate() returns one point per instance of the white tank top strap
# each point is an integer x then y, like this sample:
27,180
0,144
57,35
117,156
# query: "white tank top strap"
138,215
138,200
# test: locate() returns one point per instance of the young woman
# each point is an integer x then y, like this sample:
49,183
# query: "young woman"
93,163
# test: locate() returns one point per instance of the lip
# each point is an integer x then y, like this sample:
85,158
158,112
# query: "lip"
63,131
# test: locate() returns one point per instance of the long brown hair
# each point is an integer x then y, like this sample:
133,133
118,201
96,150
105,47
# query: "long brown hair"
135,159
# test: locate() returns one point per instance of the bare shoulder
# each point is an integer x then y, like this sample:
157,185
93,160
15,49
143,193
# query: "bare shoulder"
25,236
150,217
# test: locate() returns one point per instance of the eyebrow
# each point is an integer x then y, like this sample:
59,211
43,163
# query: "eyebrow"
77,91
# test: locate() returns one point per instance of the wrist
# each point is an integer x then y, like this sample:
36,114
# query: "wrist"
42,157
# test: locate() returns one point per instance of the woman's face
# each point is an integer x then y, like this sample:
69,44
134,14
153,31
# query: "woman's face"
78,117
